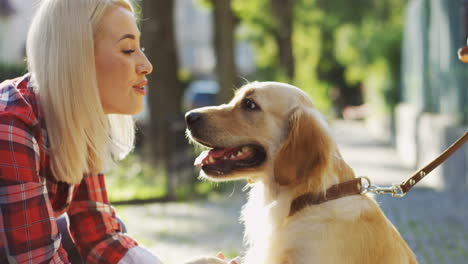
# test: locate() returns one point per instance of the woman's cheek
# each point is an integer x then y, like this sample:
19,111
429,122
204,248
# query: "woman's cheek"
124,66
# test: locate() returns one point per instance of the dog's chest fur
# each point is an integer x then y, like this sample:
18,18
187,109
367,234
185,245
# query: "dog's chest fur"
271,236
339,231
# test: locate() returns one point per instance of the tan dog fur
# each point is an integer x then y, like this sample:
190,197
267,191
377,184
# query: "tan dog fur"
301,157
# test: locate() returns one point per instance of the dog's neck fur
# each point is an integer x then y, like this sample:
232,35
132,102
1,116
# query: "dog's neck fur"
263,215
269,204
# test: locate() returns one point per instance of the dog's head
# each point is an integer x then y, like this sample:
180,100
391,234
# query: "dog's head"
267,129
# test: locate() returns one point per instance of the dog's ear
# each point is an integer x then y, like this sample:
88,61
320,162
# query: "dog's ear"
341,169
306,150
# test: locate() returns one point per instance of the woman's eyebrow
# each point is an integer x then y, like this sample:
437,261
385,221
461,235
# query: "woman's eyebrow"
127,36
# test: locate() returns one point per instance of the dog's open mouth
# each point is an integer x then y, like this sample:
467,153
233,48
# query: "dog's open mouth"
222,161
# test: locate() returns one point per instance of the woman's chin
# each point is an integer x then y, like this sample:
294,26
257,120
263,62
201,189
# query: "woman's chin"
134,110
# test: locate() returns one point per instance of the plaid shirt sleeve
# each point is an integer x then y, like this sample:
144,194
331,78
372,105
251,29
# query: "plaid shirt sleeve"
93,223
28,231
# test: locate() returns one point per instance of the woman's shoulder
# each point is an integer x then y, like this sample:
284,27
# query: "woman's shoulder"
19,100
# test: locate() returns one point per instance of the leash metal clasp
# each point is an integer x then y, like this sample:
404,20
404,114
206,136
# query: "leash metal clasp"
395,190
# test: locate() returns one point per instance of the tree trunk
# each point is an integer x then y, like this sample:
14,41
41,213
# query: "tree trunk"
282,11
164,87
224,25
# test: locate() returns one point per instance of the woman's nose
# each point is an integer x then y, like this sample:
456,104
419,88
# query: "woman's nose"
145,67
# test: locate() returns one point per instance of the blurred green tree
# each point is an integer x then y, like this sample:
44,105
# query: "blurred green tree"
340,48
370,50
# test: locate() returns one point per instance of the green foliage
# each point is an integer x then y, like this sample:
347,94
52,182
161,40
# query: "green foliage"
136,4
370,52
258,22
10,71
380,85
208,4
306,47
336,44
259,34
135,179
132,179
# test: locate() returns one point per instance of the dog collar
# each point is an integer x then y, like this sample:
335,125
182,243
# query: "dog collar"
336,191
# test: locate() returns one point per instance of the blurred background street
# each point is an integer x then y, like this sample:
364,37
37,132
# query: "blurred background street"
384,72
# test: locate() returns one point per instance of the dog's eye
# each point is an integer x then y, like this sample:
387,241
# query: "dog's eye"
250,105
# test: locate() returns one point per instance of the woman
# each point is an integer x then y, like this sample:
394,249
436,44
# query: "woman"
62,124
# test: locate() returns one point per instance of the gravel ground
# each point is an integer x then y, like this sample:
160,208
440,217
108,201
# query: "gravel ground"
433,223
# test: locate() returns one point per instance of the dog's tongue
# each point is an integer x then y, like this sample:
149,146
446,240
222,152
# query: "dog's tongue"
215,153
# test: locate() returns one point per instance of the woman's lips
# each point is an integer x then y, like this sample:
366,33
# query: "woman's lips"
140,87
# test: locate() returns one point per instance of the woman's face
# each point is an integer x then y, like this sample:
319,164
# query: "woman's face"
121,65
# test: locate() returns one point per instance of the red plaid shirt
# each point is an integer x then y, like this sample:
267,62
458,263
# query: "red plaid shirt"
31,199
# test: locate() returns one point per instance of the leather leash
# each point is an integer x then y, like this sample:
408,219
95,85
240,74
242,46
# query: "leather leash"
355,186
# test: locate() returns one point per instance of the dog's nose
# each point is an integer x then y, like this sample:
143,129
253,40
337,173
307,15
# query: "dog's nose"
191,118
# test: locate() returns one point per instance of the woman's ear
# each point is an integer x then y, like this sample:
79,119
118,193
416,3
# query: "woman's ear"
306,150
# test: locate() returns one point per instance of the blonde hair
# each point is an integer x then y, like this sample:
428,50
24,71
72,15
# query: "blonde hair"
60,54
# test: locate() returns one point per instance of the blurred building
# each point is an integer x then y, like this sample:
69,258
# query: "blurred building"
6,9
194,33
15,17
434,108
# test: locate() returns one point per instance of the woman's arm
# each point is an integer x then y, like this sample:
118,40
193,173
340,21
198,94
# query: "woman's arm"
139,254
96,231
28,231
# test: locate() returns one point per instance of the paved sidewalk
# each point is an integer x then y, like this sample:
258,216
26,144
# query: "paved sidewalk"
434,223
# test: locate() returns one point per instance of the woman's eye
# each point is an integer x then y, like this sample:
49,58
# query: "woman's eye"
128,51
250,105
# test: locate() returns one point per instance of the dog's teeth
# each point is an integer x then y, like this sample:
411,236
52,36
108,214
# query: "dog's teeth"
211,160
245,149
239,153
225,158
232,156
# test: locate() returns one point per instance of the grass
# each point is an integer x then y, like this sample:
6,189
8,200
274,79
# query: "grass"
134,179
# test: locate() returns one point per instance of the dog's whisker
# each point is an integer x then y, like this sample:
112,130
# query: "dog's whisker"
246,187
271,205
233,190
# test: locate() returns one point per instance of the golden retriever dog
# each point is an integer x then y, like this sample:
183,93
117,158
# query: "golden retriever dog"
271,134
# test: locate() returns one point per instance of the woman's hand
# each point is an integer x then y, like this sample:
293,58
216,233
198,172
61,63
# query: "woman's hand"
235,260
219,259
